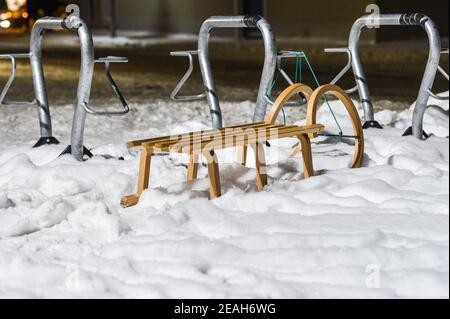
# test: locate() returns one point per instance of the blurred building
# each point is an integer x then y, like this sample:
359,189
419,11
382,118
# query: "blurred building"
310,19
300,18
19,15
319,18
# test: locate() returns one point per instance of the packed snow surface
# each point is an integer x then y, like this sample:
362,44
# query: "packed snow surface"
378,231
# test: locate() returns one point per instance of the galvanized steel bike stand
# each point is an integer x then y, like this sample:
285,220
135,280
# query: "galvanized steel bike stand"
73,23
354,62
203,55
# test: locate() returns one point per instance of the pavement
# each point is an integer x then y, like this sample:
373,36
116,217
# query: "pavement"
394,70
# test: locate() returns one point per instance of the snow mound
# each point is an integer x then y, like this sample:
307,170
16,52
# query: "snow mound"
378,231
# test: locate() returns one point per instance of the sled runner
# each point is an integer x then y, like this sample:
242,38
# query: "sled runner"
206,143
322,94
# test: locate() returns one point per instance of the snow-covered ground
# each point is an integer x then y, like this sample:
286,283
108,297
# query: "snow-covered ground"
378,231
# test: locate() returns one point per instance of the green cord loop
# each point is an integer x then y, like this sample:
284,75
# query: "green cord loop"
298,79
341,133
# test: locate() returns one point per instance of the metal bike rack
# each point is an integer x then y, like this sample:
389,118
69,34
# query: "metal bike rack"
284,55
203,56
82,108
354,62
13,58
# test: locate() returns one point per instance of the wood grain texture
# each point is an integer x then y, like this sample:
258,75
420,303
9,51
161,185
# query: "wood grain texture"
143,179
306,155
192,167
213,174
144,170
155,140
260,165
242,155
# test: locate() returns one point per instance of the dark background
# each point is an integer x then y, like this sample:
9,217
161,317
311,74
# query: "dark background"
394,58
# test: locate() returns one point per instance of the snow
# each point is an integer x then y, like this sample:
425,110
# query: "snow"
378,231
124,39
131,39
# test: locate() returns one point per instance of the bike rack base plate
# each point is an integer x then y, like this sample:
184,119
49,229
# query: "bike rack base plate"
372,124
49,140
409,132
68,150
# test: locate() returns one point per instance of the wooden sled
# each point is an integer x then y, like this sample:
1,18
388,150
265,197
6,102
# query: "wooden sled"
206,143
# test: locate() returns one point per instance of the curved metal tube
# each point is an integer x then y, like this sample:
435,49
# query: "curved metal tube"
347,67
40,88
174,95
12,76
205,65
72,23
125,108
415,19
444,73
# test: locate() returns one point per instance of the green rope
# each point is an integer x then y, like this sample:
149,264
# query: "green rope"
271,96
301,70
341,133
274,82
298,69
298,79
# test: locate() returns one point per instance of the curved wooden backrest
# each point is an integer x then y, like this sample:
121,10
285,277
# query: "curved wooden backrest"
314,102
284,97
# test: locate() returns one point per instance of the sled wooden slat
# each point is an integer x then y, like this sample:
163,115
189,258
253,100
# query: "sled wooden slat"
223,137
138,143
208,135
240,139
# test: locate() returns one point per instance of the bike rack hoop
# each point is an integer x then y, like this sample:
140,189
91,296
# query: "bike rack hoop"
268,71
405,19
87,62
